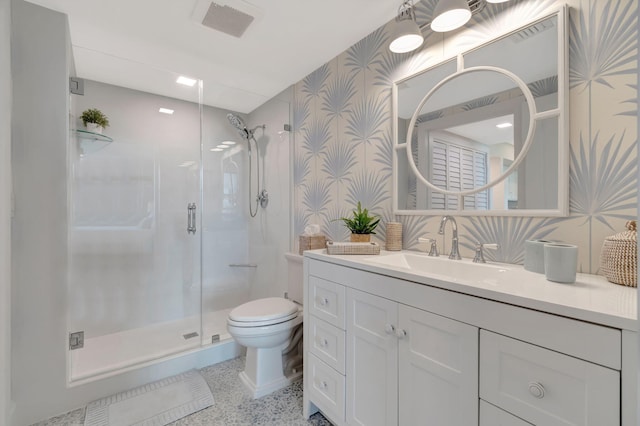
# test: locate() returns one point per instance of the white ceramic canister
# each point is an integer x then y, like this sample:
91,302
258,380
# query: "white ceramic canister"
560,262
534,255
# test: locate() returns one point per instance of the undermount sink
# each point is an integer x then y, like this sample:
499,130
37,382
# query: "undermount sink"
453,269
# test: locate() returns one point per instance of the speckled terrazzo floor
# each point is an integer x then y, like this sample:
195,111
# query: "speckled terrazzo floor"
232,407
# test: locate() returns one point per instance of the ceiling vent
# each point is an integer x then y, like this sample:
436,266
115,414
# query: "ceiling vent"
231,17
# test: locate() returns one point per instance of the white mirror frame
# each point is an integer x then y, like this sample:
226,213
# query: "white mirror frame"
562,112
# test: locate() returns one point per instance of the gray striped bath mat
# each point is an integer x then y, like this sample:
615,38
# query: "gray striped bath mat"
155,404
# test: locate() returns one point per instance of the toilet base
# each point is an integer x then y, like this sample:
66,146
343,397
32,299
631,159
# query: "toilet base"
258,392
269,377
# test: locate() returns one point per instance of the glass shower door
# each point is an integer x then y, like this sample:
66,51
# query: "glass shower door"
134,228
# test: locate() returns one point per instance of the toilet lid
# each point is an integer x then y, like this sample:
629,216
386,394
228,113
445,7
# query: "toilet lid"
261,310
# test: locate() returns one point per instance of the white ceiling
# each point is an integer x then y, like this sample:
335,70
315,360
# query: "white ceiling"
116,41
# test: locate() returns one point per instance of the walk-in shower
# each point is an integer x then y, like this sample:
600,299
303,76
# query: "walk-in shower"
156,230
262,197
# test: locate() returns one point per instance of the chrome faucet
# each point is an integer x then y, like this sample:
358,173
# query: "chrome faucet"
455,254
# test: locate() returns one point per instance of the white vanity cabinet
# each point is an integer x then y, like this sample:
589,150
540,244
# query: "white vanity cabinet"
403,365
381,349
407,366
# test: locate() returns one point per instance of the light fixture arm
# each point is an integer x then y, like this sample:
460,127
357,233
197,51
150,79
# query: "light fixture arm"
406,11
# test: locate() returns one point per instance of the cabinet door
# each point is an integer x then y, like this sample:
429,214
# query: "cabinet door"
438,368
372,360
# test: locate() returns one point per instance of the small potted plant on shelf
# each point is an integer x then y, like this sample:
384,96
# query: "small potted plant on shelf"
361,224
94,120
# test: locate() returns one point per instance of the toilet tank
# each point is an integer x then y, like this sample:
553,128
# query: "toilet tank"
294,277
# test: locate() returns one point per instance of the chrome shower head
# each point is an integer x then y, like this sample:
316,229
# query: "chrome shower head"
238,124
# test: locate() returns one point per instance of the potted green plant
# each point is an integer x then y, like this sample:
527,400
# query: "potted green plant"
361,224
94,120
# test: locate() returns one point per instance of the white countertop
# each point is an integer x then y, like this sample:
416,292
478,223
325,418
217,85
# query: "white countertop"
591,298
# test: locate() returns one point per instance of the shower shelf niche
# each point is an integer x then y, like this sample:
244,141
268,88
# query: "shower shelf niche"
90,142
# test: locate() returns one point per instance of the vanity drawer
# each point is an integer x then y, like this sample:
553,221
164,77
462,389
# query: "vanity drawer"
546,387
327,342
326,389
490,415
327,301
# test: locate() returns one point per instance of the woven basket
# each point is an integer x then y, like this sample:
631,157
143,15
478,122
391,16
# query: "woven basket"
619,257
311,242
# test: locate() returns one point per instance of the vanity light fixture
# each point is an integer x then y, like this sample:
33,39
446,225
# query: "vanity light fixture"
166,111
186,81
450,15
504,125
407,35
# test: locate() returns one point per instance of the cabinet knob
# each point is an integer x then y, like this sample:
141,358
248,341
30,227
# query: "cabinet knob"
389,329
324,301
536,389
323,384
401,334
323,343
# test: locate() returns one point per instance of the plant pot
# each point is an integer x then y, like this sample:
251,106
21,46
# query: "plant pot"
95,128
360,238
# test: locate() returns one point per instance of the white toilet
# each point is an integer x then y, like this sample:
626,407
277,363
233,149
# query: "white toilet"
271,329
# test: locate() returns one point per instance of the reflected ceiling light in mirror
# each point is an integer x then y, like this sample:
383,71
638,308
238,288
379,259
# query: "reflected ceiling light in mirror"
216,149
497,1
407,35
450,15
228,143
222,146
504,125
166,111
186,81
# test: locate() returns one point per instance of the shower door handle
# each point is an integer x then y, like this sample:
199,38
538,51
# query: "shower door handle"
191,218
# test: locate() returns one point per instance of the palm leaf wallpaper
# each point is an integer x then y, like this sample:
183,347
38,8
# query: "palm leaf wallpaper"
342,130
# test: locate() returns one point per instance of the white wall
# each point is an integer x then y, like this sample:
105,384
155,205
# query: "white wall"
269,231
5,211
40,69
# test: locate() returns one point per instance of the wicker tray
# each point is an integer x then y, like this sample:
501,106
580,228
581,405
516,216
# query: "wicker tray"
352,248
618,259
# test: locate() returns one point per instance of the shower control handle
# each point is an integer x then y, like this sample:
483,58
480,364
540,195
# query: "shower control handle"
191,218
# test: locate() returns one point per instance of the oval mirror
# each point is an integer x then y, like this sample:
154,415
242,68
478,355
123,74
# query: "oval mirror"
461,127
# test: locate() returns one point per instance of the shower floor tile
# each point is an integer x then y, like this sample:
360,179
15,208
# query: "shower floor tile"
232,405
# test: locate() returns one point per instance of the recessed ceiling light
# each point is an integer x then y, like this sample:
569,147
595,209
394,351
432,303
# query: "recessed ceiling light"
504,125
228,143
186,81
166,111
216,149
222,146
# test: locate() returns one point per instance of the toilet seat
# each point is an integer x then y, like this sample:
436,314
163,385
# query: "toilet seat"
263,312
